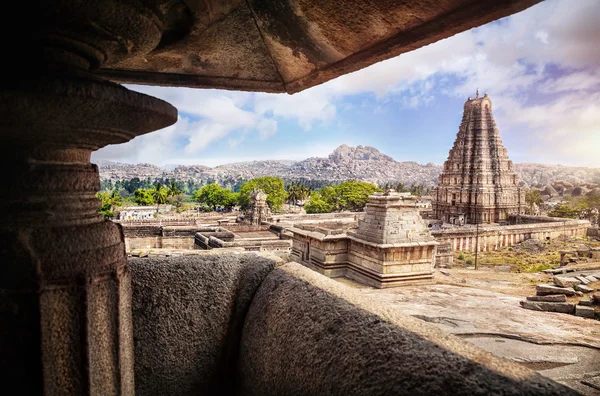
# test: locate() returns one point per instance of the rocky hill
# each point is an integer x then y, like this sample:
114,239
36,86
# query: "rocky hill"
362,163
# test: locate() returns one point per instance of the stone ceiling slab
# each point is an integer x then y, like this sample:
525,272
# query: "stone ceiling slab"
291,45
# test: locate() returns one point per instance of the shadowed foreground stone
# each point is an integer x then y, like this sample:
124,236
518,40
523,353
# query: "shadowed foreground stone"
188,314
307,335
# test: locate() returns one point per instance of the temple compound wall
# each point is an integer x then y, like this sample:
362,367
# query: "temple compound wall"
494,237
478,183
390,247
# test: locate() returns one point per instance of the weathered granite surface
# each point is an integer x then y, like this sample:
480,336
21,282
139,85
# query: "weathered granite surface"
308,335
188,315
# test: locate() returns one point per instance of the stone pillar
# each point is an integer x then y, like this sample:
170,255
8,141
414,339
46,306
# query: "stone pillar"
65,312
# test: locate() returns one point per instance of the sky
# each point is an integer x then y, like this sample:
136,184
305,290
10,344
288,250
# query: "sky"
540,67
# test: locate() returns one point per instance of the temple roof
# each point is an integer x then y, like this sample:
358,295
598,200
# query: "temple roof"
291,45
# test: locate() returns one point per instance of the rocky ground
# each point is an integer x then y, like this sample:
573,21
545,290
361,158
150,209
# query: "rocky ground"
482,306
529,256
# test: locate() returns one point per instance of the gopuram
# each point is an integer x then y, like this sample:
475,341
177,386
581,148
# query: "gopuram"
478,183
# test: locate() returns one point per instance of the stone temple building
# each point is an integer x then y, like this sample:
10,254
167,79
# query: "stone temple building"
78,318
478,183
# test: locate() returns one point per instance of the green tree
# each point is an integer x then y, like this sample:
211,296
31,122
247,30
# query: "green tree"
568,210
317,204
213,195
173,190
109,200
270,185
533,197
143,197
354,195
160,194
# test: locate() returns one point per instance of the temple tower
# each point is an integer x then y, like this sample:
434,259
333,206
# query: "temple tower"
478,183
259,209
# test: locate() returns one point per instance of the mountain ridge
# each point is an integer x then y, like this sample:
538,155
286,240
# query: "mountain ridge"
363,163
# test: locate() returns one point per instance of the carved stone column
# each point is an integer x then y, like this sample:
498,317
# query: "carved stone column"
65,314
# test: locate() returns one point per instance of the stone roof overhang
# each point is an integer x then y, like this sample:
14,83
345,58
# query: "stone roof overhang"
292,45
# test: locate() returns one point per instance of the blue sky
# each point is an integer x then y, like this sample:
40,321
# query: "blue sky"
540,67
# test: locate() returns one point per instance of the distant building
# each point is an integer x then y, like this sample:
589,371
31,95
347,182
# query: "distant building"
141,212
478,183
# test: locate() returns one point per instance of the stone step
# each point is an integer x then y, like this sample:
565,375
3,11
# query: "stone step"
549,306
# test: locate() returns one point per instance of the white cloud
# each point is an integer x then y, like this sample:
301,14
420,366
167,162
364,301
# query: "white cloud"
539,66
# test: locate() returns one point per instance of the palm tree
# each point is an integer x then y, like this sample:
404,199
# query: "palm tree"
292,192
160,194
173,190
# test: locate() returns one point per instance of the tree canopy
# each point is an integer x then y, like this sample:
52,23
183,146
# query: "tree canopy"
351,195
317,204
270,185
109,200
143,197
213,195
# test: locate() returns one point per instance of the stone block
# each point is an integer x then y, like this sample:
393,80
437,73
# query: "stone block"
584,288
549,306
549,298
565,281
592,278
584,312
544,290
587,303
502,268
596,298
583,279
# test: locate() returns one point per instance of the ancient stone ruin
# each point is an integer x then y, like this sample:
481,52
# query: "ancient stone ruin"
574,291
259,211
78,318
390,247
478,183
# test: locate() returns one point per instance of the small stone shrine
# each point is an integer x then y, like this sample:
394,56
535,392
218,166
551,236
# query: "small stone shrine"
390,247
259,211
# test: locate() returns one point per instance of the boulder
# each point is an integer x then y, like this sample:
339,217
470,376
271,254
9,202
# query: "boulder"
549,306
584,312
544,290
584,288
549,298
565,281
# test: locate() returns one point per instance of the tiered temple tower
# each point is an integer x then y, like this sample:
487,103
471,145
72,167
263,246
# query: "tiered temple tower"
478,183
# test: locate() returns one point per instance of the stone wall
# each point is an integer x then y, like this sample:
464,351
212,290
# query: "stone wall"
343,217
219,238
159,237
496,237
